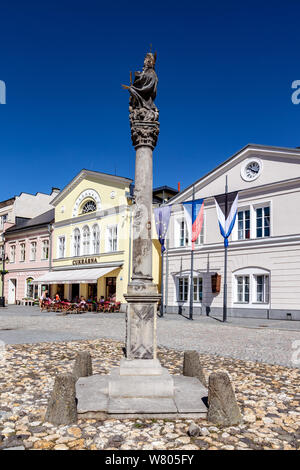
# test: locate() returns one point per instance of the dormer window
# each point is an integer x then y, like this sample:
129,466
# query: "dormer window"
89,206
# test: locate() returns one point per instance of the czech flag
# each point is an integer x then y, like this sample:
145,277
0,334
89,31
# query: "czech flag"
193,212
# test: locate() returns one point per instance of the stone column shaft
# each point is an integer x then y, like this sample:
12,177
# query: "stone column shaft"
142,237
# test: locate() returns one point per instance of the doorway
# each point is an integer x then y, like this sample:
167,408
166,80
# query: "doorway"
110,290
12,288
75,292
92,291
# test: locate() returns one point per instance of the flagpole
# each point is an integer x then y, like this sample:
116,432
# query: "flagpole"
162,286
225,258
192,264
167,277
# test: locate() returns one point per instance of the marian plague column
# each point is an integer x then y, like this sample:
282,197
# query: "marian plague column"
142,295
140,383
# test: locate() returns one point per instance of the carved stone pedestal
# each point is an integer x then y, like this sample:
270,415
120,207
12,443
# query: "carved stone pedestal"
142,301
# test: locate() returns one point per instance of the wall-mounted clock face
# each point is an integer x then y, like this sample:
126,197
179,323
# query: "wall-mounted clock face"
251,169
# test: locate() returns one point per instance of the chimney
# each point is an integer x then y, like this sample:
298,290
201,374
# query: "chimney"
55,190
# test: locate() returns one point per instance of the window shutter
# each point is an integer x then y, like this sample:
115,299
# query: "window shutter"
216,283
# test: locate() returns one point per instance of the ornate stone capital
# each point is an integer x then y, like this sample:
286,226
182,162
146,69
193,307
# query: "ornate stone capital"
144,127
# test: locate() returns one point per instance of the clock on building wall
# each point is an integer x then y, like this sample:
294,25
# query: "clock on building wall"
251,169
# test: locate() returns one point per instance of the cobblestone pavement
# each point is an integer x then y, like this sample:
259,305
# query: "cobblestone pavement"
267,396
273,342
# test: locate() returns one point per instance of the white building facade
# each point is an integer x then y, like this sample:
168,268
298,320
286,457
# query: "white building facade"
263,276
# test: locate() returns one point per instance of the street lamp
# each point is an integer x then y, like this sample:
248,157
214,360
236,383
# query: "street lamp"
3,258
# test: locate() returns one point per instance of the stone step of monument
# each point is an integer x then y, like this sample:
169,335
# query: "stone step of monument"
94,401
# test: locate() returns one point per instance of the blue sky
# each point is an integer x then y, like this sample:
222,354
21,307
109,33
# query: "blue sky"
225,72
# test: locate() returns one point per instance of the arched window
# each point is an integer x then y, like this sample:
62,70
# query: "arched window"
252,287
89,206
76,242
96,239
86,240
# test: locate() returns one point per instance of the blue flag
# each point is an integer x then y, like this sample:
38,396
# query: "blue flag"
162,217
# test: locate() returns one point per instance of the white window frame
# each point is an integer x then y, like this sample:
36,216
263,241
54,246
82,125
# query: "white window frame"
33,250
185,281
86,240
45,250
187,275
245,278
179,223
253,221
201,239
22,252
252,273
3,219
96,239
76,242
12,254
112,239
265,289
243,210
263,206
198,283
61,254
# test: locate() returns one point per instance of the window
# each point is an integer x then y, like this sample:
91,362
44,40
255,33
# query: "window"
96,239
22,251
262,288
32,251
86,240
61,246
243,224
45,249
3,219
183,236
183,286
263,222
76,242
12,253
32,290
113,238
200,239
197,289
243,289
89,206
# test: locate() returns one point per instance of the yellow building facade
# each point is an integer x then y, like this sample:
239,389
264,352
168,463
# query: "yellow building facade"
92,238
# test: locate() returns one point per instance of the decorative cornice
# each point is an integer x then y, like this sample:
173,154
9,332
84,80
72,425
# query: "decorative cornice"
239,244
92,216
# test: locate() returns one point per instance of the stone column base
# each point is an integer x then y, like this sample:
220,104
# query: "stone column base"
142,298
140,379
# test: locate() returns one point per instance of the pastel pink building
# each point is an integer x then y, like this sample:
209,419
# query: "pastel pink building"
28,247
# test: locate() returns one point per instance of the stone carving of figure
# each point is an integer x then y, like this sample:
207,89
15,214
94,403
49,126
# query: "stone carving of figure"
143,92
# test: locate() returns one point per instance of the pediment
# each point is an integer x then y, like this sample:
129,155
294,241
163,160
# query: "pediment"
276,165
